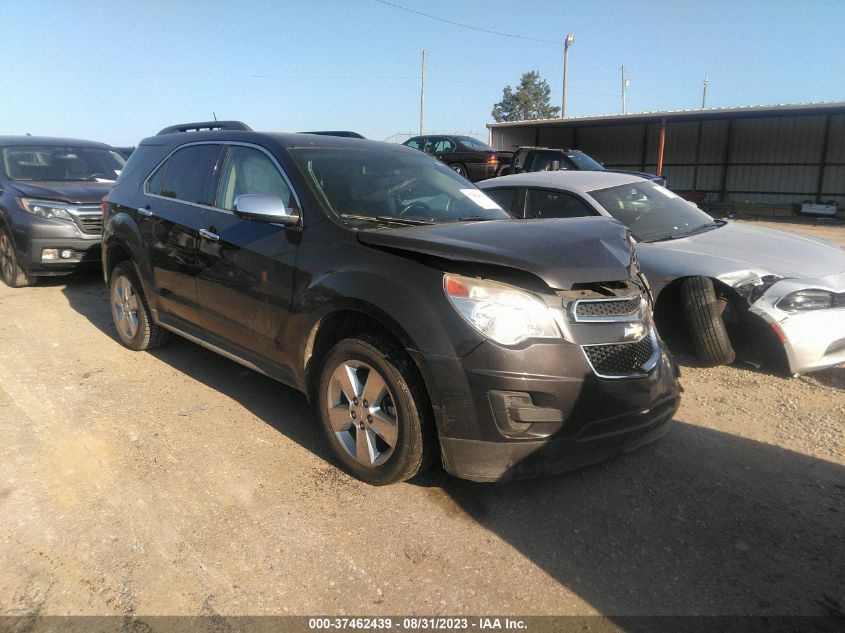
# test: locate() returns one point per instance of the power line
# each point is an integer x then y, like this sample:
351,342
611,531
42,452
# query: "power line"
466,26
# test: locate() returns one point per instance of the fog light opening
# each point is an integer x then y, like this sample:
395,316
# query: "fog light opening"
49,254
67,253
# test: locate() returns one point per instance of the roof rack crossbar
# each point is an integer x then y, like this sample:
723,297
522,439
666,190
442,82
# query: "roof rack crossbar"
205,126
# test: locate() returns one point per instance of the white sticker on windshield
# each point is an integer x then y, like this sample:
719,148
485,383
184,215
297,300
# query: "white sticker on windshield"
665,191
480,198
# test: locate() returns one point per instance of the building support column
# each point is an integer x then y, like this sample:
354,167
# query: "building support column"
823,159
726,161
662,146
697,158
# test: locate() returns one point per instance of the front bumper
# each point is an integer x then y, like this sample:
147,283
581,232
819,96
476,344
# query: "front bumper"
814,339
582,418
85,255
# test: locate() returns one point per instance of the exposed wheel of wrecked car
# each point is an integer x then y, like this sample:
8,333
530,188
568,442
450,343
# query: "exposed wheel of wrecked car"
130,312
459,169
703,313
13,275
374,412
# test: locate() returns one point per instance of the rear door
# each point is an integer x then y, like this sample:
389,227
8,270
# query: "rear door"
245,280
175,195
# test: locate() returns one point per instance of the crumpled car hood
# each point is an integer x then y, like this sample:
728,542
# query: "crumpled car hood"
561,252
733,248
73,192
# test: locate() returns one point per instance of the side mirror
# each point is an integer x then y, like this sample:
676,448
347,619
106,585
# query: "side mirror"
261,207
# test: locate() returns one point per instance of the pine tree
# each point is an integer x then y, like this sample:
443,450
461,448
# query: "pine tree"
530,101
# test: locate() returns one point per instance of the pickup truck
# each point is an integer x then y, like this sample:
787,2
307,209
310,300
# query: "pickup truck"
528,159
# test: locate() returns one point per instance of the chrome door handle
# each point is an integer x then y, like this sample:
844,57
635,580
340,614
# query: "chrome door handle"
145,212
209,235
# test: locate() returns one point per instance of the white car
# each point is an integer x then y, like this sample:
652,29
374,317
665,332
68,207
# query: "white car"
732,285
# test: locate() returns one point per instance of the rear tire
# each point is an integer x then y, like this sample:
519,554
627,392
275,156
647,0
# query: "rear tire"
704,319
388,438
459,169
130,312
13,275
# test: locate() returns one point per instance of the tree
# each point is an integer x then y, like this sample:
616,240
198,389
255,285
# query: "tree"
530,101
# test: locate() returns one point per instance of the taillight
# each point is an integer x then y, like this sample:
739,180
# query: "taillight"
492,160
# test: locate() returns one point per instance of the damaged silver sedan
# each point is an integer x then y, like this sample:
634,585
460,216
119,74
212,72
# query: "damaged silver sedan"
728,289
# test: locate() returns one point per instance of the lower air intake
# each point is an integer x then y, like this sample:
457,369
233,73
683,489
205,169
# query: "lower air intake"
620,359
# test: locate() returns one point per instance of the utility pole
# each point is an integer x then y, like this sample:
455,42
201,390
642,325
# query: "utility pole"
625,83
704,91
422,94
570,38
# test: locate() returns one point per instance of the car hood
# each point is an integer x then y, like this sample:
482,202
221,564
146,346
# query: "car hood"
72,192
561,252
747,251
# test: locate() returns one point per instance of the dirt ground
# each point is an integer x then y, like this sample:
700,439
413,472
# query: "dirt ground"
177,482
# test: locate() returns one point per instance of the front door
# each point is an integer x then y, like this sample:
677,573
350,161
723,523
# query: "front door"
246,267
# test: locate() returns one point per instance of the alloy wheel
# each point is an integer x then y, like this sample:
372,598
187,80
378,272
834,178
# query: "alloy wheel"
362,413
125,307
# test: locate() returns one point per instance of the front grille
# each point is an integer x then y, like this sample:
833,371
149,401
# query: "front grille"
91,223
619,359
607,308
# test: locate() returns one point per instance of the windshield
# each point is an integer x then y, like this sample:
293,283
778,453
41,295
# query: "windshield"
368,185
652,212
474,143
57,163
582,161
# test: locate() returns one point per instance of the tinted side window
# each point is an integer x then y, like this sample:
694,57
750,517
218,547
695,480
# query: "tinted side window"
443,145
506,198
154,183
190,174
555,204
416,143
248,170
549,161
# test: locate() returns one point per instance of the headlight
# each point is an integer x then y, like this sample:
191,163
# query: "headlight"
45,209
806,300
506,314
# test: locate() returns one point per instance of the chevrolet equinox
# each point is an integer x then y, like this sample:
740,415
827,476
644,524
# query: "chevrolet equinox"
415,314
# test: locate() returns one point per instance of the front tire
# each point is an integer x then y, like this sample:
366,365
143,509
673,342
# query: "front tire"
373,410
13,275
704,319
130,312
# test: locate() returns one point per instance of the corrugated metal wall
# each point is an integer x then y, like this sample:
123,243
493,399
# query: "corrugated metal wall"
767,159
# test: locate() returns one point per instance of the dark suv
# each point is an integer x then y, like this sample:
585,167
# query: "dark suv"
50,215
416,315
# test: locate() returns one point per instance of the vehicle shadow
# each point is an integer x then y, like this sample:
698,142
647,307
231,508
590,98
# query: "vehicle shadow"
270,401
702,522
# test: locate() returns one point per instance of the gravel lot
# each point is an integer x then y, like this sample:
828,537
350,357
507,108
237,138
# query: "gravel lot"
178,482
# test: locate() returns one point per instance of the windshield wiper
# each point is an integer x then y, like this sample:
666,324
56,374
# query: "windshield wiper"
476,218
384,218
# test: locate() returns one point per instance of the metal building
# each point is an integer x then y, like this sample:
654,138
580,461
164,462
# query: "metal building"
766,155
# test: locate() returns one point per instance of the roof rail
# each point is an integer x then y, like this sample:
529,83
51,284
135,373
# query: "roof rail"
205,126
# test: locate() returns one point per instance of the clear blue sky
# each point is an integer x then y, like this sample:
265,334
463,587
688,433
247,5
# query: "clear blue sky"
117,71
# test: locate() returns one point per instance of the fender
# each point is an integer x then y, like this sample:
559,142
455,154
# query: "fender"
123,231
